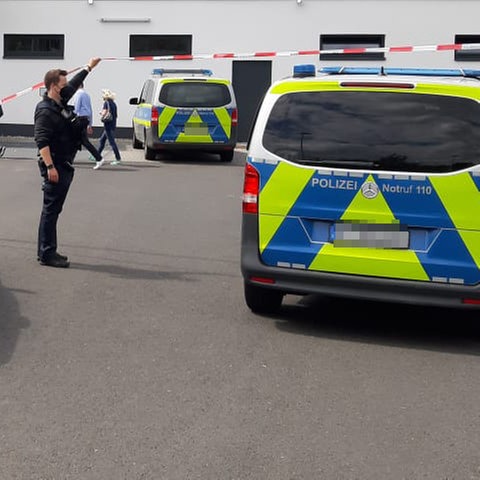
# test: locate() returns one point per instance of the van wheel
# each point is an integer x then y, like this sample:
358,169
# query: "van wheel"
227,156
149,153
137,144
262,300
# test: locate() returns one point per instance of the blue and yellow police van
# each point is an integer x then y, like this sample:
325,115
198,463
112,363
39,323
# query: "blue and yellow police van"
185,109
364,183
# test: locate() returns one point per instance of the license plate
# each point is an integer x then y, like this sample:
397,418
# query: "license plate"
370,235
196,129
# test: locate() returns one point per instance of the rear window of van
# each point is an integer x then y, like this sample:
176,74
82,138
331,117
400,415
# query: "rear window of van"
195,94
375,130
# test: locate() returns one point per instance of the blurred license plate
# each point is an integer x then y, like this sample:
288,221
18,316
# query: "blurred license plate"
370,235
196,129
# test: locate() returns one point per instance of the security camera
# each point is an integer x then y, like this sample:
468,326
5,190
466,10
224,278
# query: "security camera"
90,2
299,2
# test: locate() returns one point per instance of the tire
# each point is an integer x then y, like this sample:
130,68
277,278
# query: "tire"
136,143
262,300
227,156
149,153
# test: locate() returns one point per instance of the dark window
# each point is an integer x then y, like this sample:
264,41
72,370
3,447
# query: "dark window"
341,42
467,55
147,92
195,94
160,45
33,46
379,131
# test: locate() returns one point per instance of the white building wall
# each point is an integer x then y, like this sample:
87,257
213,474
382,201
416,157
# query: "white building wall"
238,26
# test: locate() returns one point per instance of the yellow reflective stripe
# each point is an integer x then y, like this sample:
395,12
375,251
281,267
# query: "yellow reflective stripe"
461,199
313,86
201,80
277,197
146,122
373,210
370,261
182,138
224,119
454,90
425,88
165,118
140,121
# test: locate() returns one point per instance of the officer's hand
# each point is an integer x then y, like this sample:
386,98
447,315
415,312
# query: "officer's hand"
93,62
52,175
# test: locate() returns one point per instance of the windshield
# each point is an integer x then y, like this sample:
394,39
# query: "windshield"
376,130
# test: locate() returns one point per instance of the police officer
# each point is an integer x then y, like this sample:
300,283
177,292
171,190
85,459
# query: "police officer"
57,134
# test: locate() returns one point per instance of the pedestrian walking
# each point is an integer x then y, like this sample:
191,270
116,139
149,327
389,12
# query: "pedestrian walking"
82,105
108,115
57,134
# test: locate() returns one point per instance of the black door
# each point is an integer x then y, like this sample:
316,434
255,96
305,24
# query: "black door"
250,80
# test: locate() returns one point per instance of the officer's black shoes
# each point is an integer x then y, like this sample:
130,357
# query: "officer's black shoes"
56,254
56,260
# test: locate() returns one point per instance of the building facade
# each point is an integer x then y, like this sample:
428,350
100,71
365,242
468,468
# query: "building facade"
263,36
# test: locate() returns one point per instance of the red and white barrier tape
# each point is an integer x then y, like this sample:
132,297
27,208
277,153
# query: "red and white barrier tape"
400,49
37,86
217,56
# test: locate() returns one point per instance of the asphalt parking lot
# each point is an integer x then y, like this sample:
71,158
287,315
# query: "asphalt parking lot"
142,362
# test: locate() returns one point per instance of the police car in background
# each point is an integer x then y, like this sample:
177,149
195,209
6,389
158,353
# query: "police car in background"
185,109
364,183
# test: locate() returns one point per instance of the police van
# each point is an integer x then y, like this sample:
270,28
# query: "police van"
364,183
185,109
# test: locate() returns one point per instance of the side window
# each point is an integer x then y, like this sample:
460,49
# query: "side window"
147,92
159,45
352,41
33,46
472,55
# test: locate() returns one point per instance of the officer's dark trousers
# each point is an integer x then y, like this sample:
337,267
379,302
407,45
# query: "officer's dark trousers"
54,195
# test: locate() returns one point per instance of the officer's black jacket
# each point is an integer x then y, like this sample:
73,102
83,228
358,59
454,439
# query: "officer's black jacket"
53,128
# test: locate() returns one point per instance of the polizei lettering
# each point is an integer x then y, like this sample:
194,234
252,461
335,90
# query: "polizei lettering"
335,183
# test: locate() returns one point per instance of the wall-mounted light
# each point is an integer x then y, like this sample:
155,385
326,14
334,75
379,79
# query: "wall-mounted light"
125,20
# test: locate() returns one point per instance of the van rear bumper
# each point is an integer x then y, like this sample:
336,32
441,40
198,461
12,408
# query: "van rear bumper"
305,282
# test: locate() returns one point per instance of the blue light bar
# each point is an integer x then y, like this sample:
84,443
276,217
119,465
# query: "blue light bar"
304,70
182,71
434,72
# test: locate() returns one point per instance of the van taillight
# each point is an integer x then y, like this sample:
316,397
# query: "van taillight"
251,183
154,117
234,116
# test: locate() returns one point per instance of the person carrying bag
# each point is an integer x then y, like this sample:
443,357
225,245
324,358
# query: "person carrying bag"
108,115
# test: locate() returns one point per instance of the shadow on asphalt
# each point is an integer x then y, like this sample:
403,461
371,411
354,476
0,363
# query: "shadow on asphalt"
11,323
406,326
144,274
